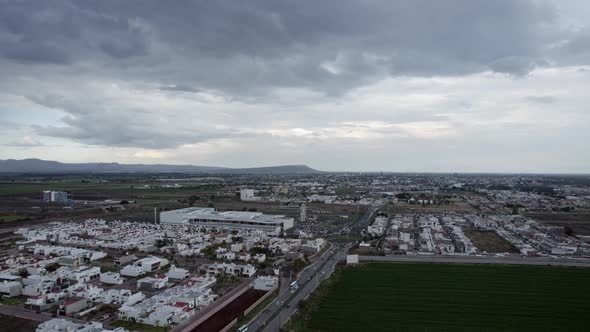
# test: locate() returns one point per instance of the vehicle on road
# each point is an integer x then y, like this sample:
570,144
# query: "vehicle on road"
243,328
293,285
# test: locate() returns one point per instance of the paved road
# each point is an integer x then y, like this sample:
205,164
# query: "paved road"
364,220
286,304
285,294
21,312
581,262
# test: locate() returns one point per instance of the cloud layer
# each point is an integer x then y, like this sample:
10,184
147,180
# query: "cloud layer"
270,82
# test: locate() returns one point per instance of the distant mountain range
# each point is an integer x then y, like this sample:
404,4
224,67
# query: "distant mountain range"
48,166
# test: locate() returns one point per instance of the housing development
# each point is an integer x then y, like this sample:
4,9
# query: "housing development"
244,252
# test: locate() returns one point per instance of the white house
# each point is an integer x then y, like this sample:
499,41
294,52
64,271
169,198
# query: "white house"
11,288
352,259
152,284
260,258
244,256
152,263
122,296
231,269
132,271
265,282
111,278
177,273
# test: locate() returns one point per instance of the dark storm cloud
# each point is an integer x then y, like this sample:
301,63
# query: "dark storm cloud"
247,50
61,32
249,45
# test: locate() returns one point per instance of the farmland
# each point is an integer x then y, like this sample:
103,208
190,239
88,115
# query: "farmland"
449,297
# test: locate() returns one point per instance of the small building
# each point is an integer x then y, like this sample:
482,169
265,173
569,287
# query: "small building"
352,259
55,196
80,274
72,306
152,263
265,283
70,261
151,284
260,258
11,288
177,273
125,260
111,278
132,271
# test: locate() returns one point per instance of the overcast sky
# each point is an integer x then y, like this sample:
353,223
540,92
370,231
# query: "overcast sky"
340,85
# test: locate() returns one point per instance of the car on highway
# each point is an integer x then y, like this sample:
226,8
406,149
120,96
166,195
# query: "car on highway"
243,328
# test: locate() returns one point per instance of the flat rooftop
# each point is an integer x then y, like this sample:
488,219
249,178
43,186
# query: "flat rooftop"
211,214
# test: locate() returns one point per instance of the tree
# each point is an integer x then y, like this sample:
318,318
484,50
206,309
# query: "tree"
24,273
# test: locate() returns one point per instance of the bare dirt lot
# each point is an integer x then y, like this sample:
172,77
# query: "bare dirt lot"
489,241
16,324
578,221
235,309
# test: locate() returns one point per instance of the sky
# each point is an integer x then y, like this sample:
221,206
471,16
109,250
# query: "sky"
338,85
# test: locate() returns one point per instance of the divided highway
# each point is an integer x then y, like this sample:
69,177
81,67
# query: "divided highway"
285,304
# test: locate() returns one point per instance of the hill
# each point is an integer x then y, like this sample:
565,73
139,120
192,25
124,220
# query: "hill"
48,166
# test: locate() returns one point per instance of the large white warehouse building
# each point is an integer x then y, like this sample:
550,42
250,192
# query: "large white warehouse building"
238,220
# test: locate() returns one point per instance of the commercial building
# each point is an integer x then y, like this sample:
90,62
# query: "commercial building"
231,220
302,212
55,196
248,195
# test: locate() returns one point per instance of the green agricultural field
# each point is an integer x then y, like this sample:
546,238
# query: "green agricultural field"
450,297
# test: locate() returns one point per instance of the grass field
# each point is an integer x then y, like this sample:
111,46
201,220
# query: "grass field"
138,327
129,188
489,241
11,217
13,300
450,297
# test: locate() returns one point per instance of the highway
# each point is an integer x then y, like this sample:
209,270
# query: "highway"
306,288
364,220
284,305
510,260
